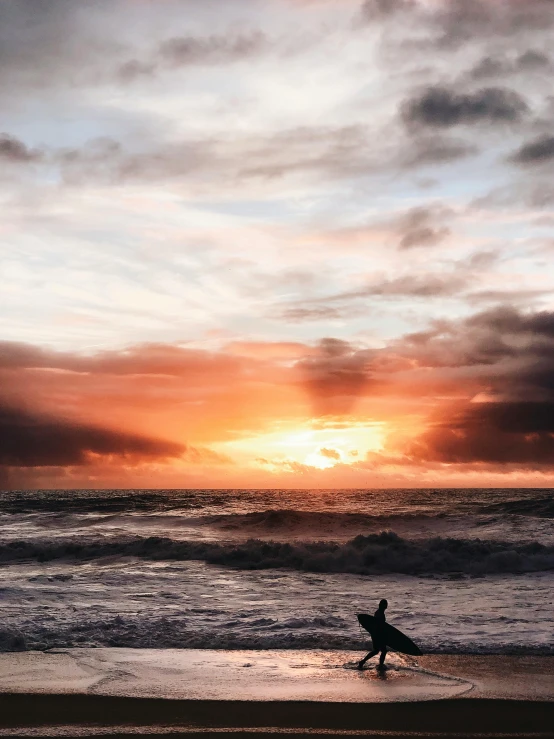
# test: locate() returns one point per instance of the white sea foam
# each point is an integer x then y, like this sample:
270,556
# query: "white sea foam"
374,554
158,604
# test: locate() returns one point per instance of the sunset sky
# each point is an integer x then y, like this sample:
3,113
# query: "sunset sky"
276,243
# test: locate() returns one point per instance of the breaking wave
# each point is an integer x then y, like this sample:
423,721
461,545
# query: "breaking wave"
363,555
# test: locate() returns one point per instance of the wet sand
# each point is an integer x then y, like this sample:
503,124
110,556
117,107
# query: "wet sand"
121,691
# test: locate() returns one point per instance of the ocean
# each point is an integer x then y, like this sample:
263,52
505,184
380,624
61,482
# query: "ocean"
464,571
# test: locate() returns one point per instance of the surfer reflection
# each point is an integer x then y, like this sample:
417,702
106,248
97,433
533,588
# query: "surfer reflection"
377,636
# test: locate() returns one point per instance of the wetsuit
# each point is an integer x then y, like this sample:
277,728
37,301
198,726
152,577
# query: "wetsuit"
377,640
378,636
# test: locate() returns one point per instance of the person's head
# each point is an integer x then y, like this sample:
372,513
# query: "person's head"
383,604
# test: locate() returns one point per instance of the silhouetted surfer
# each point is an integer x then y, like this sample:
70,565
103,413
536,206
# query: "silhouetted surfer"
377,637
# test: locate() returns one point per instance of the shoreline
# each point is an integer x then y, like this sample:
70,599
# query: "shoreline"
117,692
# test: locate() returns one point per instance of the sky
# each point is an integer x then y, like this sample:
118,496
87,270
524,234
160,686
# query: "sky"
276,243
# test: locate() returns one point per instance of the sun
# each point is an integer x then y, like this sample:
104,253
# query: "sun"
315,444
324,458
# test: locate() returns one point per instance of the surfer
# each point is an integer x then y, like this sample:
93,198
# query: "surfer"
377,637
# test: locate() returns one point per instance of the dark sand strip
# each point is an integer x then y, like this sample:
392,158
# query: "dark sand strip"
451,717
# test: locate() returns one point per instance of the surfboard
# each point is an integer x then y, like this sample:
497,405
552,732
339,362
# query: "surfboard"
394,638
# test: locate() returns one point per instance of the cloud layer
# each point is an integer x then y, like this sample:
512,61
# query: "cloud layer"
316,234
476,393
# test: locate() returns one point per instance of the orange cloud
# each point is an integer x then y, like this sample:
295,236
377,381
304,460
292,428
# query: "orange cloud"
464,398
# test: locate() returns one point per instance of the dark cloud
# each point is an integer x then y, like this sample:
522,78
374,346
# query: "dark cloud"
336,376
508,320
517,433
461,20
539,151
421,227
532,60
507,357
374,10
15,355
185,51
31,440
512,345
447,25
55,43
436,150
505,66
441,107
13,150
456,22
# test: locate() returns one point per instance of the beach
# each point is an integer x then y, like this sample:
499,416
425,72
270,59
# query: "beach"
121,691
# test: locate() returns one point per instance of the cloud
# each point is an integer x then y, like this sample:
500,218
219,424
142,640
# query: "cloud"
147,359
507,344
458,21
505,66
335,152
435,150
447,25
377,10
511,433
186,51
318,313
336,376
539,151
347,304
499,364
420,286
513,296
410,286
474,391
419,228
32,440
330,454
14,151
440,107
58,43
159,390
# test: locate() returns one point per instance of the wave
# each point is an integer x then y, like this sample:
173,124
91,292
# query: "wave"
374,554
179,633
540,507
288,521
281,508
96,501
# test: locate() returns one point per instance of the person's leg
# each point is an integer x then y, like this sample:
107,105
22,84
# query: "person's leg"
369,655
382,657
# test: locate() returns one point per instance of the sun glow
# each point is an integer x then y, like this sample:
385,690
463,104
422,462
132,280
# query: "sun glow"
317,444
323,458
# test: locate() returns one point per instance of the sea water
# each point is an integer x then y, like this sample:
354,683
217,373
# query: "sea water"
464,571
